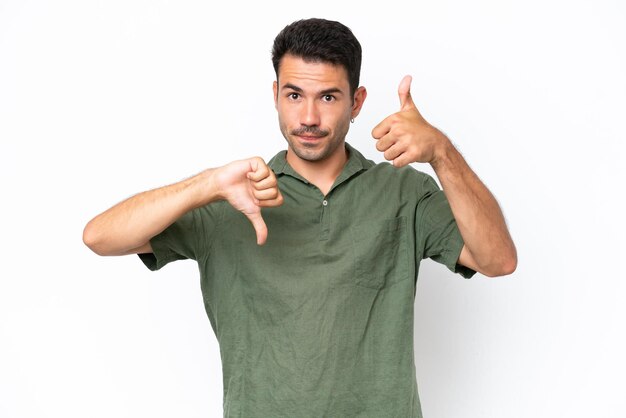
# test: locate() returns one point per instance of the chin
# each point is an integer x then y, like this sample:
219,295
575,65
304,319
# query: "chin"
307,155
315,154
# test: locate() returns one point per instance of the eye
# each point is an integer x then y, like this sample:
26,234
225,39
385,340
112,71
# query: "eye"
294,96
328,98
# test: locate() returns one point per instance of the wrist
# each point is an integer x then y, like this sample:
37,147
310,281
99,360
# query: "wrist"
443,151
203,188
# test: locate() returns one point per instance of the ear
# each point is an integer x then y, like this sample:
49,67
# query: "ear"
275,88
359,97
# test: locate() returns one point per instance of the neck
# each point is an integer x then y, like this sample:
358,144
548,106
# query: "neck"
321,173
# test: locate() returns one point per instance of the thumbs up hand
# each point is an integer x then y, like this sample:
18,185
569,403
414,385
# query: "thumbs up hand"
405,136
248,185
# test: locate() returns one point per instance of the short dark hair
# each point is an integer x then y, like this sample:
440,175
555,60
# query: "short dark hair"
320,40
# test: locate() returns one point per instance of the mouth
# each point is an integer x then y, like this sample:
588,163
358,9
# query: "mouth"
310,138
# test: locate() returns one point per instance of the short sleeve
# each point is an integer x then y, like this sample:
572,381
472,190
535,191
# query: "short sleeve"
187,238
438,236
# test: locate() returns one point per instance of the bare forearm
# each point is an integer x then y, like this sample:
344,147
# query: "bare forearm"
132,222
476,211
406,137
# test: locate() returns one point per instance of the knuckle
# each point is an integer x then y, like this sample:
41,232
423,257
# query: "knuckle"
260,163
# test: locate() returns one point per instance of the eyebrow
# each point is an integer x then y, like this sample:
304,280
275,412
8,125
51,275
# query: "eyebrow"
323,92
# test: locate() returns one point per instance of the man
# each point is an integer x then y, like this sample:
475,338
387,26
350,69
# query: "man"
317,319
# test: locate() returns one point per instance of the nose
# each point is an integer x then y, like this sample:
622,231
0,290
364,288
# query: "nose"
310,115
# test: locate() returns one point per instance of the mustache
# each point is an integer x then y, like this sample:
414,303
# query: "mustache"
309,130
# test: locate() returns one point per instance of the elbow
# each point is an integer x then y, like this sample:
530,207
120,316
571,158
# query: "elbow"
91,239
512,265
505,267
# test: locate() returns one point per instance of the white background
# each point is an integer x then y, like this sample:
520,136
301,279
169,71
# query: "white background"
102,99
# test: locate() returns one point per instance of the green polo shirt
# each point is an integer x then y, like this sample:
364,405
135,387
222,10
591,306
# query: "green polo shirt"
318,322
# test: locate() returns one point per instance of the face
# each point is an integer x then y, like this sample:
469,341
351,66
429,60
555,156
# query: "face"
314,107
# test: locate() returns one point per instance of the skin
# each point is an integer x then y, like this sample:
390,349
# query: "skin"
314,110
126,228
302,99
406,137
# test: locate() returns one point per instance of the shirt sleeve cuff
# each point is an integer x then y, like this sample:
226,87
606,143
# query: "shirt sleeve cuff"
452,255
160,255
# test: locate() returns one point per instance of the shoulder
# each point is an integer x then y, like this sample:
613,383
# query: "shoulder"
407,176
386,169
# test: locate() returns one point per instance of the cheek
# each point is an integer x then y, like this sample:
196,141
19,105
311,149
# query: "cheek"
343,119
281,118
282,124
336,118
285,115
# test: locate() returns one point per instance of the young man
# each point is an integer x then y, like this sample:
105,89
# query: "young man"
317,319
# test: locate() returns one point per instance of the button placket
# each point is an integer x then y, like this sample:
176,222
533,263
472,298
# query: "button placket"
325,221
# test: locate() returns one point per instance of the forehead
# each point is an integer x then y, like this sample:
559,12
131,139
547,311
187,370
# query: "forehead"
294,70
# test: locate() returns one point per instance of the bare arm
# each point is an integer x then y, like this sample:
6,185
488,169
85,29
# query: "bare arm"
406,137
488,244
127,227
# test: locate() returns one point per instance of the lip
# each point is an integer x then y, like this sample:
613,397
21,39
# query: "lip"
309,137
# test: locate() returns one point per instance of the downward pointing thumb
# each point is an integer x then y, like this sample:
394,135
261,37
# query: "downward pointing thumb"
259,226
404,92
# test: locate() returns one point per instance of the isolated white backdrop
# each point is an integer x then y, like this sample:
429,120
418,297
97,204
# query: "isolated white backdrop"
102,99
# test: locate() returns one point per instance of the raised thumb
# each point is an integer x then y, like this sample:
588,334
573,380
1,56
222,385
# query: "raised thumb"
404,92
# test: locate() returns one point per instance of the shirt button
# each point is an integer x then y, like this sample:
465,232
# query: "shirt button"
325,202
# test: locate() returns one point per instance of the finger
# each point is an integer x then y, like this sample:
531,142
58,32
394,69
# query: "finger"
266,194
259,170
259,226
394,152
272,203
382,128
266,183
402,160
385,142
404,92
